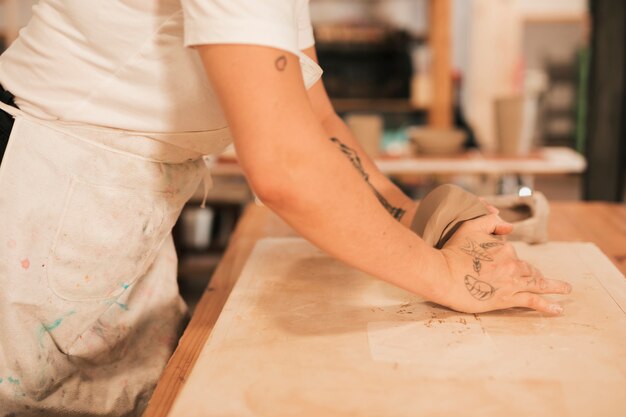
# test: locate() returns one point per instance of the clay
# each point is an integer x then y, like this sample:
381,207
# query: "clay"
443,211
517,213
528,214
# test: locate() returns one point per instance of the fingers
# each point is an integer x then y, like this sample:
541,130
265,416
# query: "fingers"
502,227
527,270
536,302
532,280
492,224
547,286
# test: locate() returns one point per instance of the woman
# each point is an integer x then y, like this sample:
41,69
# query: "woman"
118,102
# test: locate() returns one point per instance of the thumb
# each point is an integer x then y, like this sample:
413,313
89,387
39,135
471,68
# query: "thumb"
493,224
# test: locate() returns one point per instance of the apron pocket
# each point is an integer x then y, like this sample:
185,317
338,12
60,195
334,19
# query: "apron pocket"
106,239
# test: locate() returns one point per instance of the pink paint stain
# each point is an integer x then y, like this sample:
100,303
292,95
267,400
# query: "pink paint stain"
25,263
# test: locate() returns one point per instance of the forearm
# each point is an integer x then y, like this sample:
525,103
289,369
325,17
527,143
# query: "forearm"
401,207
395,201
322,187
305,177
336,209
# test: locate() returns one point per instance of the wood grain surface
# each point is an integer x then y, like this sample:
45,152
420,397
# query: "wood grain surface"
601,223
303,334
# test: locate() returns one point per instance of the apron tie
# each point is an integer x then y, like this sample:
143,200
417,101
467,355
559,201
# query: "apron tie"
207,180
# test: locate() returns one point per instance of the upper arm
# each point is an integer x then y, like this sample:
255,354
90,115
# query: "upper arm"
262,93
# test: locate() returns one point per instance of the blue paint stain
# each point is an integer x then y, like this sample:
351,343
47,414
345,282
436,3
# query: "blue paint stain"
17,392
47,328
125,286
117,303
51,327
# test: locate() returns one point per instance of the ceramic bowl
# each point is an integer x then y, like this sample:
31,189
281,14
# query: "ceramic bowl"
433,141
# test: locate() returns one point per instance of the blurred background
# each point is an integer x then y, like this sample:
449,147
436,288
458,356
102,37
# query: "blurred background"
498,96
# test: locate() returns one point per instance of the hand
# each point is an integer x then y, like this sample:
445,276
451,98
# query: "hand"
484,272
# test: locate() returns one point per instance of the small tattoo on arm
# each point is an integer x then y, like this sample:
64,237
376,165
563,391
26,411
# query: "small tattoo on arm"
281,63
352,155
480,290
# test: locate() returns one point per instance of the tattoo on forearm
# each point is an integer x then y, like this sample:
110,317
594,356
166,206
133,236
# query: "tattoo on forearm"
281,63
478,289
352,155
396,212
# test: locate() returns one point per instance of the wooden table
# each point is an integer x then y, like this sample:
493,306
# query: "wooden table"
601,223
548,160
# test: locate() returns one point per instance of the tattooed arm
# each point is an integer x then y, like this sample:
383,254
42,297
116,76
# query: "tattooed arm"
401,207
323,188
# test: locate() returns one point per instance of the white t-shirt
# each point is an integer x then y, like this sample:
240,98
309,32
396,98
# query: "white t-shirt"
126,63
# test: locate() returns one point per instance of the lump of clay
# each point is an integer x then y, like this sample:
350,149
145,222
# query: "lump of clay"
443,211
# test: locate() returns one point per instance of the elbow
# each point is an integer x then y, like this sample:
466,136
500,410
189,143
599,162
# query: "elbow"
271,189
281,179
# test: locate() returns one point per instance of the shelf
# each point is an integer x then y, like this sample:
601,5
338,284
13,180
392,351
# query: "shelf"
383,105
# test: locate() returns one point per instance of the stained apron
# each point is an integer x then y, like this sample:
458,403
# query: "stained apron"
89,305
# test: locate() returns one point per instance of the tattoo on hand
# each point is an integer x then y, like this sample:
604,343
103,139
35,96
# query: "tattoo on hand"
351,154
480,290
281,63
477,265
492,244
476,251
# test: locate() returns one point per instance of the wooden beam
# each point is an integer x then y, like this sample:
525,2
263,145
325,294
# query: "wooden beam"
606,127
440,114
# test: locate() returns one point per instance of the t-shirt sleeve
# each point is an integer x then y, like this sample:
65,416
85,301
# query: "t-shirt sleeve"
305,29
282,24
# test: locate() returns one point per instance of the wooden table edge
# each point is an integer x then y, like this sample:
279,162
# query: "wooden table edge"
205,316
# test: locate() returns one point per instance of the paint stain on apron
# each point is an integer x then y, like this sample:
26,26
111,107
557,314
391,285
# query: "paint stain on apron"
90,311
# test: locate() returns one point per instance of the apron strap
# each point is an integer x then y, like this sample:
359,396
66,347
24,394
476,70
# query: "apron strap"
168,147
207,180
